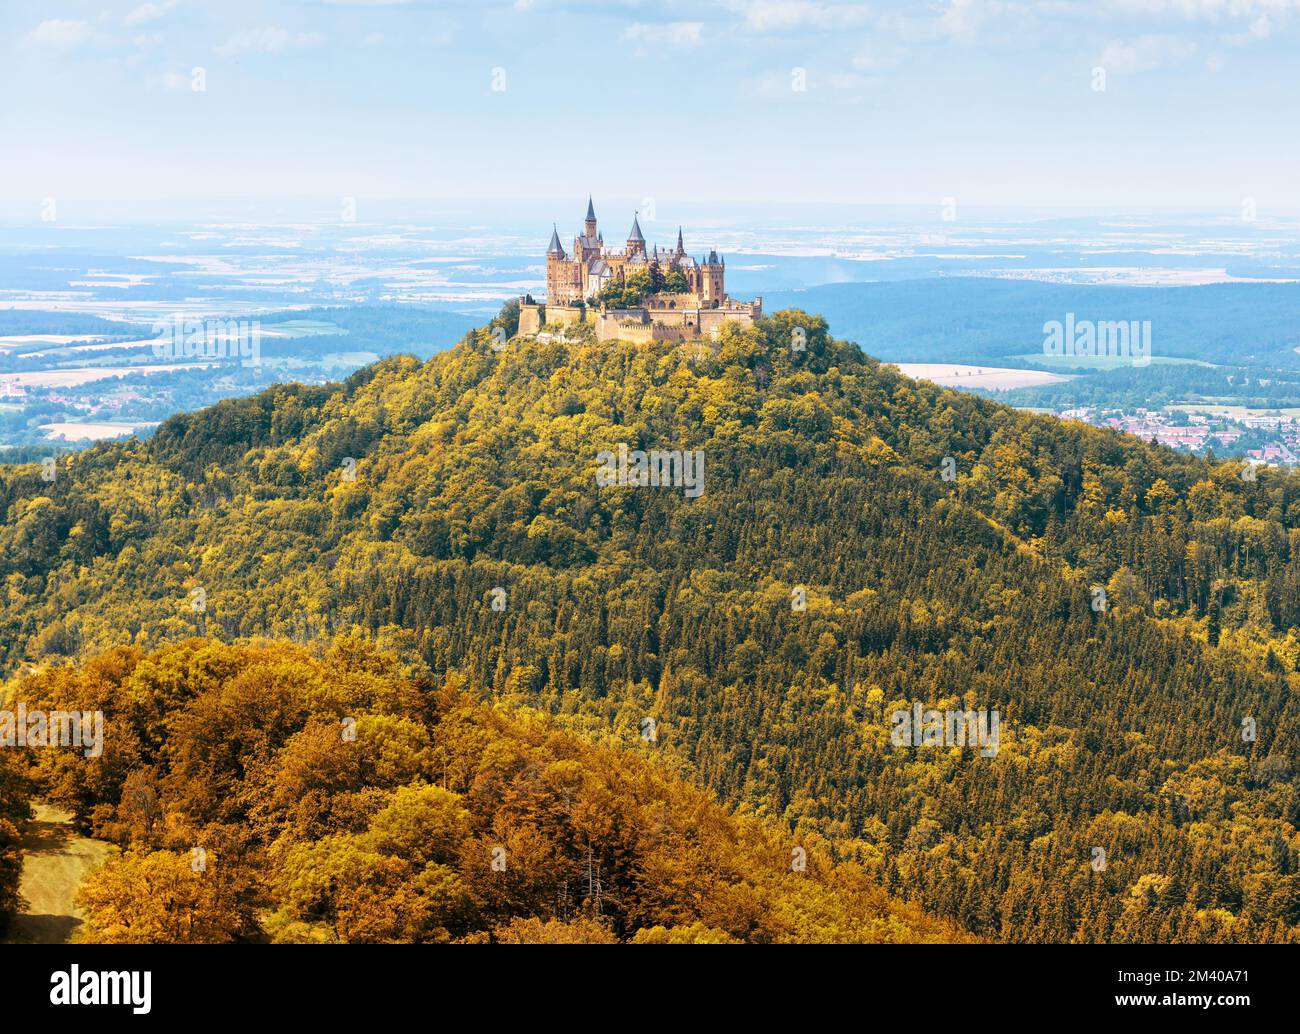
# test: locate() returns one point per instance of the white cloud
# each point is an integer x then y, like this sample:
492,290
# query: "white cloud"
149,12
1261,28
1205,10
874,56
772,16
1145,54
969,21
849,82
172,82
59,34
671,34
268,40
964,18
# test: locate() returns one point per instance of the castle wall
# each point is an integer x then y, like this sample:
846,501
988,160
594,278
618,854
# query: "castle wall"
711,320
530,318
609,328
652,324
561,315
658,303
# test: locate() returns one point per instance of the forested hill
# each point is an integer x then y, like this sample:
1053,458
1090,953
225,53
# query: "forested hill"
1129,613
271,792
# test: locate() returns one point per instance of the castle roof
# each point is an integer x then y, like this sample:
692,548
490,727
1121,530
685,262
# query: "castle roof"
591,211
680,249
635,233
555,247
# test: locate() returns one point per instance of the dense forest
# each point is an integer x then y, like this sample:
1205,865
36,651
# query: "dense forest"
22,322
864,543
268,792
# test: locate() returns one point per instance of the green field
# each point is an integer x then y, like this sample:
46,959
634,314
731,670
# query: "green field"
1232,409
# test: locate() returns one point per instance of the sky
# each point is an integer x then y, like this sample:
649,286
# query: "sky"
1053,103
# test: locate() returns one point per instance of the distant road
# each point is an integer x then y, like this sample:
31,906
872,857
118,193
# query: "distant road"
55,861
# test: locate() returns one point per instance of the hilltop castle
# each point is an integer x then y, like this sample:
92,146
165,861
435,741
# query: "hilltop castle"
696,305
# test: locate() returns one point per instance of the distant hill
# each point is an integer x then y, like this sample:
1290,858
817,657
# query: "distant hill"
21,322
864,544
987,320
381,329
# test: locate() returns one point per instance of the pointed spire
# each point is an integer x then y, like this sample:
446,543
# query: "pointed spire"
680,249
635,233
591,211
555,247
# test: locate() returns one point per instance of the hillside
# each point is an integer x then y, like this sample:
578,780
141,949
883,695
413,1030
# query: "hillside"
400,500
269,792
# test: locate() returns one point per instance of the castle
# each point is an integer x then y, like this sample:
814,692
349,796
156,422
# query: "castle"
697,305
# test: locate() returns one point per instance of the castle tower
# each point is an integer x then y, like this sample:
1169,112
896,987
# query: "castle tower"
680,249
712,276
635,239
556,268
590,224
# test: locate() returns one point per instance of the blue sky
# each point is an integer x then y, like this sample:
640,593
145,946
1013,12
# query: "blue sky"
991,102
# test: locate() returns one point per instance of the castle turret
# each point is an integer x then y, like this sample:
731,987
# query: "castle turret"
555,247
590,224
712,279
635,239
680,249
558,270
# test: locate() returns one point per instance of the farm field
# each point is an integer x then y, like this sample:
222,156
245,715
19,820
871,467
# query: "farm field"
991,378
